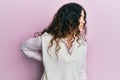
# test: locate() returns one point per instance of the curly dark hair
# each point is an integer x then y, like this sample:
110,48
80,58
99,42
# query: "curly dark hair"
65,23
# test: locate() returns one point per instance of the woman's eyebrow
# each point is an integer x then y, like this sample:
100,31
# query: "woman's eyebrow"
82,15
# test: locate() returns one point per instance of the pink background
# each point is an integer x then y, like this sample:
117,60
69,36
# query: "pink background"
19,19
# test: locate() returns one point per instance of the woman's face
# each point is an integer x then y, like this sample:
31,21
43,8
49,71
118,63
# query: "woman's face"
81,21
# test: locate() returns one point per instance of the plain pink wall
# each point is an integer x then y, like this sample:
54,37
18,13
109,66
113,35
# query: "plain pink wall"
19,19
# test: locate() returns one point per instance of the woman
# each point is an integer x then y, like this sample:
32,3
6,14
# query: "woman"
62,47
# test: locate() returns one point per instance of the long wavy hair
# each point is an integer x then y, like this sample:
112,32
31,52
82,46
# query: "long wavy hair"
65,23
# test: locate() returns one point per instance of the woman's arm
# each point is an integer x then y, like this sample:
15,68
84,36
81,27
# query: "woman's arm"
32,48
83,70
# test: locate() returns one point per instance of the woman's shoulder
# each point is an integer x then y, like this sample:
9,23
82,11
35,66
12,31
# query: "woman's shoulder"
46,35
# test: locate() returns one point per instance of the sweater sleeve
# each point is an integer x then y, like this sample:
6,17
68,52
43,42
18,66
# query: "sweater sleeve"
32,48
83,70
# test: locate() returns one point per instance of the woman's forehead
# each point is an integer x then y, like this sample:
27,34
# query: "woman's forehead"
82,13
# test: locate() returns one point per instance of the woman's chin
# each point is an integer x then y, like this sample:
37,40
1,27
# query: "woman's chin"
81,30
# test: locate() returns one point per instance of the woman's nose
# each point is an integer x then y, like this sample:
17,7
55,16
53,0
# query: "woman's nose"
83,21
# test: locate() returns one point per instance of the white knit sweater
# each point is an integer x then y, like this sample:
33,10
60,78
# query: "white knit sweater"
66,67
